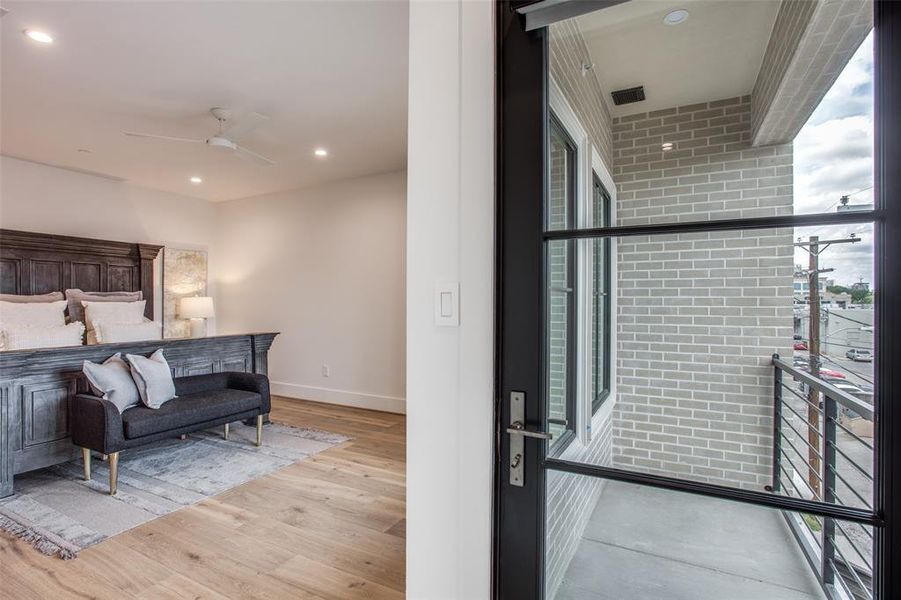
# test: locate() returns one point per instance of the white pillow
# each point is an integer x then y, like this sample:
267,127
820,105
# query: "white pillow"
112,381
106,332
113,312
153,378
18,338
32,314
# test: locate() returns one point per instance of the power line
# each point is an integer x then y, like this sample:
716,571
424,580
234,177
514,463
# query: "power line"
866,189
828,313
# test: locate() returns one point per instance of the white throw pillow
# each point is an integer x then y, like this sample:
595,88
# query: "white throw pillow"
113,312
32,314
19,338
112,381
105,332
153,378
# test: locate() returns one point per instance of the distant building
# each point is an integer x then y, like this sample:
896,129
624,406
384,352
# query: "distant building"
861,286
840,328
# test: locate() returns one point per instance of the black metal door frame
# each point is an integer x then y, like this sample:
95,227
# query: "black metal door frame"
522,116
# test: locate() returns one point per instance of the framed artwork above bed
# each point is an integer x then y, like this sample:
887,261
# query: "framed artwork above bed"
184,274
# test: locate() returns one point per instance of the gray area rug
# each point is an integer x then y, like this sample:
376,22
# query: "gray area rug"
59,513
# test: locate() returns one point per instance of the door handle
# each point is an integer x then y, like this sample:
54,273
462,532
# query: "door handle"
518,434
517,428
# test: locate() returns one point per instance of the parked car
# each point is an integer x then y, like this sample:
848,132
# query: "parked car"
859,355
828,374
800,346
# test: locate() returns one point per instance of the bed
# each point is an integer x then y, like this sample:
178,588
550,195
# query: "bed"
36,385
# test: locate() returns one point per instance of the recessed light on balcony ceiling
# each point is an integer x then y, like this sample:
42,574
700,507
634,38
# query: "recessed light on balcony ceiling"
195,180
321,152
666,146
676,16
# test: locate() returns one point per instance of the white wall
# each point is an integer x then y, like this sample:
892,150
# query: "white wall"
450,225
325,267
36,197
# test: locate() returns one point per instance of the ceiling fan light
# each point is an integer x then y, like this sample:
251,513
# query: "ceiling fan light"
221,142
42,37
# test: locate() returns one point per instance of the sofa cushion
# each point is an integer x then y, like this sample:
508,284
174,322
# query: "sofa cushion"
187,410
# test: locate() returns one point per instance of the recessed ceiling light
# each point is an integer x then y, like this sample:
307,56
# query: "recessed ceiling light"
39,36
195,180
675,17
666,146
320,152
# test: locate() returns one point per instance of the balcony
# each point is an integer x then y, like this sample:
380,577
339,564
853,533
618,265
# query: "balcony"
648,543
654,544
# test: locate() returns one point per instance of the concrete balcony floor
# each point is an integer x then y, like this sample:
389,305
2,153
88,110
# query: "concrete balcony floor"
643,543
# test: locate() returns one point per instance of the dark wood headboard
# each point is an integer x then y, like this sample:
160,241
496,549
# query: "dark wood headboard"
38,263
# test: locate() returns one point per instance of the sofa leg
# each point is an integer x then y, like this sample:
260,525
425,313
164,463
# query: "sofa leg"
86,457
259,430
225,431
113,472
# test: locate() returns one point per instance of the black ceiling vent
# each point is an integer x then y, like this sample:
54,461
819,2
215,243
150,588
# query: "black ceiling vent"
628,96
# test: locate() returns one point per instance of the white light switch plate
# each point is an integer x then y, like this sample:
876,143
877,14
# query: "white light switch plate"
447,304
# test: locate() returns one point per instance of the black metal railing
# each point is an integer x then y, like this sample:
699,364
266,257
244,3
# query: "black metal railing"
821,452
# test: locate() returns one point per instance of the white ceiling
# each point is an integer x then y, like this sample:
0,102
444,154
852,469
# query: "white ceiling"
327,73
715,54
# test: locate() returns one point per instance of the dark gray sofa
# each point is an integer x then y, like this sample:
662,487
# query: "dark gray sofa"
203,401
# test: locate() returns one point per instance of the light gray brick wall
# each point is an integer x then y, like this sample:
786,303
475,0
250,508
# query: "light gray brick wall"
568,52
700,315
791,21
572,498
570,501
811,42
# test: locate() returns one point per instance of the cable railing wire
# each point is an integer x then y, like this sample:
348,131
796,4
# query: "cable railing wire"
819,472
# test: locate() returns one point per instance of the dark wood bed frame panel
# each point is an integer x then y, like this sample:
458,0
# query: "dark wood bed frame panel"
36,385
38,263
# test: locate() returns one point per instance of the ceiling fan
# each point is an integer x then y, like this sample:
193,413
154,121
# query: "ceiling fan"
226,138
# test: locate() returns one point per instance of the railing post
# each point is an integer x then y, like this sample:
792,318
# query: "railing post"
777,427
830,417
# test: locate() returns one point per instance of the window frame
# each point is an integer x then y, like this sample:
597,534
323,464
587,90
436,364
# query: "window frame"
571,404
588,415
599,395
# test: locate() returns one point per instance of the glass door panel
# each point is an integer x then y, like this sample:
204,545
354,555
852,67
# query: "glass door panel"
643,542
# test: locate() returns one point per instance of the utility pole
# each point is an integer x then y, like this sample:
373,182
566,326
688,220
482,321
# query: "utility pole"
814,247
813,349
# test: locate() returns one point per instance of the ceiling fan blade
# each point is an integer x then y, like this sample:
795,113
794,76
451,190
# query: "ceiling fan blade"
163,137
235,131
245,153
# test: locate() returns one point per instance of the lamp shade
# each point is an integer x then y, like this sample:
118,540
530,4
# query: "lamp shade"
196,307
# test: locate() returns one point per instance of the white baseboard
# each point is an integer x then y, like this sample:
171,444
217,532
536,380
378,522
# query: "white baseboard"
341,397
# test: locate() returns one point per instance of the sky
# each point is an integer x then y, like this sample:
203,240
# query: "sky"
833,157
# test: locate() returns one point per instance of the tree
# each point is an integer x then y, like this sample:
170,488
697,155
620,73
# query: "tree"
862,296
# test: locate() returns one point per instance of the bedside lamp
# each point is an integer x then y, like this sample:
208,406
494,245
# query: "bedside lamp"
198,309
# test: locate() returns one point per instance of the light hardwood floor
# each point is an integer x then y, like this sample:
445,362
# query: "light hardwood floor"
330,527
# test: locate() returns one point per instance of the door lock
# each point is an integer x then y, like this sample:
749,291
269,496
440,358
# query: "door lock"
516,460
